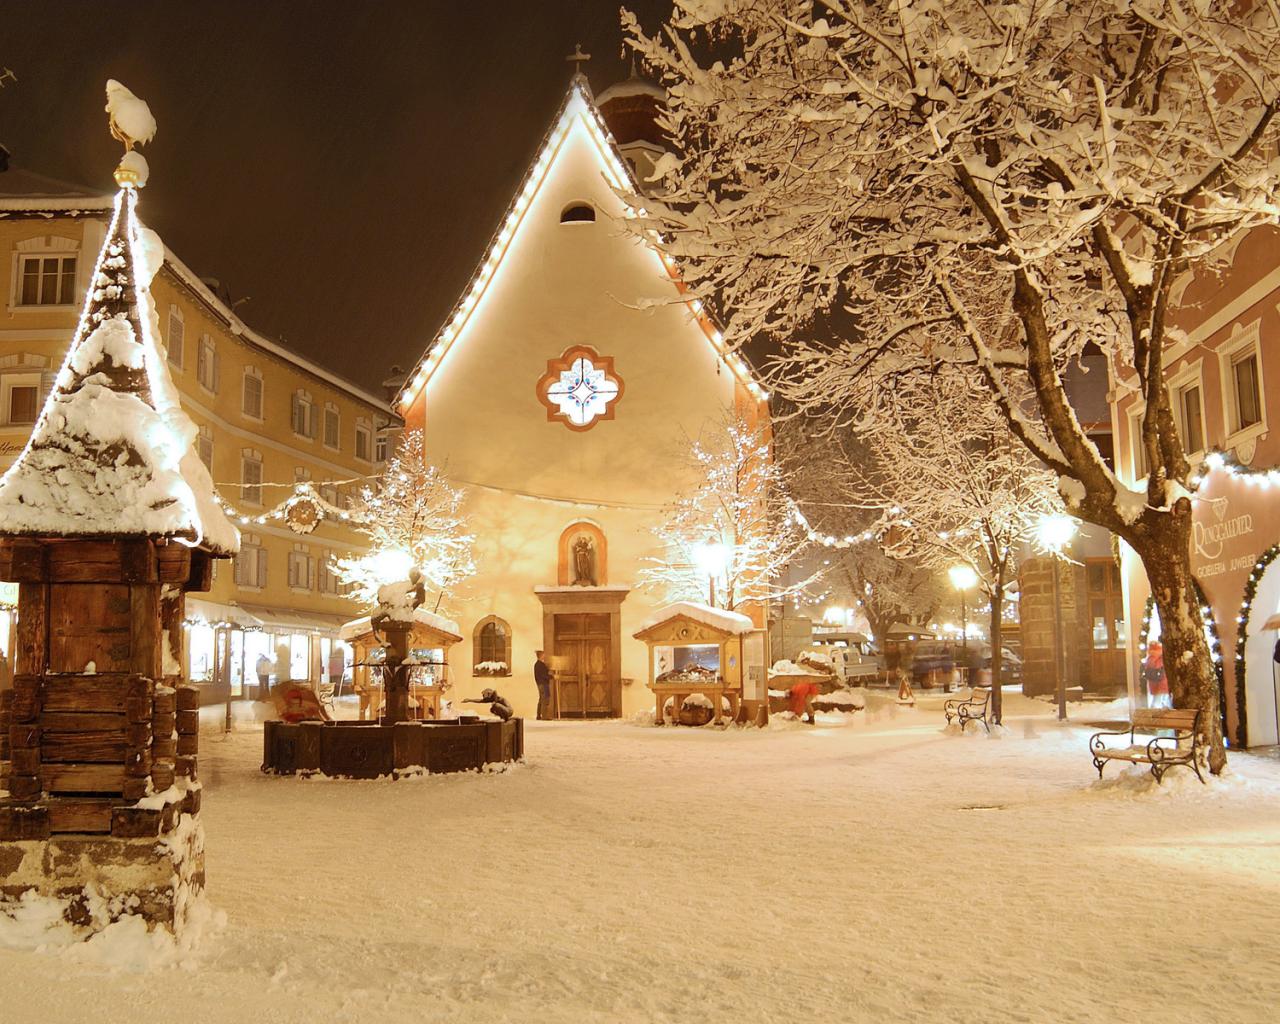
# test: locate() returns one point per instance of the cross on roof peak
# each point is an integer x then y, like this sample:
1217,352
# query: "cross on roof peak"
577,59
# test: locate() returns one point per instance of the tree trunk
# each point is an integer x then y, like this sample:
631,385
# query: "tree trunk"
996,631
1193,683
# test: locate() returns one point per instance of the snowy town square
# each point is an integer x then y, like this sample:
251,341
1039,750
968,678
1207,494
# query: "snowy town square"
702,511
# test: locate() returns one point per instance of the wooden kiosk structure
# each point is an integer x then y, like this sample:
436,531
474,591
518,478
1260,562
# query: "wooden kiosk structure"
697,649
430,677
107,520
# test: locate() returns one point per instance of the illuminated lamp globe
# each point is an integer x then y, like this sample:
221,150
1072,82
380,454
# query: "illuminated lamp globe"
962,577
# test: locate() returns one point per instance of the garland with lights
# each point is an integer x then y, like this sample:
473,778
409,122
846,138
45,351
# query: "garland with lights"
1242,630
1216,458
1215,650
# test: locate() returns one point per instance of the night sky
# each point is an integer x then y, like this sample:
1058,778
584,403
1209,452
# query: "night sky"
341,164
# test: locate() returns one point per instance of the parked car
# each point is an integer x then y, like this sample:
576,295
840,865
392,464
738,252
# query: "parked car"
850,655
1010,665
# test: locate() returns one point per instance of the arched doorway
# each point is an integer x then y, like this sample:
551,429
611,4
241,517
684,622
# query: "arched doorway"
1256,670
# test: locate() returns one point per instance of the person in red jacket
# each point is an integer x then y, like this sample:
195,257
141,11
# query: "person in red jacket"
802,695
1153,672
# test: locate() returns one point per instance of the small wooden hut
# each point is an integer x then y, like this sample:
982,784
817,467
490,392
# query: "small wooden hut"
107,519
697,649
430,640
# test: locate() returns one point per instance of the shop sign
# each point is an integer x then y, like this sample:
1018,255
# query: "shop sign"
1213,537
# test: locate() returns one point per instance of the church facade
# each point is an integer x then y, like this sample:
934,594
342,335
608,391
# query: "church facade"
563,393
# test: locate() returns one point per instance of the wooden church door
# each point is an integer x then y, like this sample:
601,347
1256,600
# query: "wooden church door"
584,685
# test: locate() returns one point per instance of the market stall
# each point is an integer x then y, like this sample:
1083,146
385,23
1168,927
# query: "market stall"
696,651
429,644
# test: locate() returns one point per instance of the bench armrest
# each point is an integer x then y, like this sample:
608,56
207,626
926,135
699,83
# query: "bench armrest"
1096,742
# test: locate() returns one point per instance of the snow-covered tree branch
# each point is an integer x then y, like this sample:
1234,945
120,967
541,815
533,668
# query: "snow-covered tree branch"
996,186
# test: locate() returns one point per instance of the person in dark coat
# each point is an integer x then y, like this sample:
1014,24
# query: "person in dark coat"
542,676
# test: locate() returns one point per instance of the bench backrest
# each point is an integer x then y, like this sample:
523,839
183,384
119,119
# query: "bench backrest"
1166,718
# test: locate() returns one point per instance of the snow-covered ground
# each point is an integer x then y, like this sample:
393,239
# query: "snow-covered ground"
871,868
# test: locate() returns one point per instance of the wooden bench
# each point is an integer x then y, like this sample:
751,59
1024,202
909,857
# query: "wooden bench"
1162,751
969,709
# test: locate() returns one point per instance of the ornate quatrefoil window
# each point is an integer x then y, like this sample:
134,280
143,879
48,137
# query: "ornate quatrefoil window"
580,388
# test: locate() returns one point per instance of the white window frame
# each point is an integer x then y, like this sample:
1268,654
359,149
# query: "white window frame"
8,382
44,247
175,316
302,409
363,428
207,364
1137,470
334,416
301,569
381,445
256,374
248,457
247,577
1243,341
1189,376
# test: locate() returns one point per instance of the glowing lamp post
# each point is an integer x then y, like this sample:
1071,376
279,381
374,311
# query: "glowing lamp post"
712,558
962,578
1054,534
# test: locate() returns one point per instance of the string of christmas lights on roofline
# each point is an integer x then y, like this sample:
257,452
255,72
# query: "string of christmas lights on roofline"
1217,459
578,105
828,540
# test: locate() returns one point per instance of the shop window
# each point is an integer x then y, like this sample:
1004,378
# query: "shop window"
491,647
332,426
175,342
578,213
46,280
251,476
303,415
204,446
251,562
251,394
207,364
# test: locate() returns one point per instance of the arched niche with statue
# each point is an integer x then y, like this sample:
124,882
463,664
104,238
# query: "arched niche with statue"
582,556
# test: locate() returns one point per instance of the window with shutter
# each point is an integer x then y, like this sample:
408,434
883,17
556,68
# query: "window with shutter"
251,404
251,479
176,342
332,427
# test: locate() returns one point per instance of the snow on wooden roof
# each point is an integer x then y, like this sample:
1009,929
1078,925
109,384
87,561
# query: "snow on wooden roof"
578,108
734,623
112,453
361,626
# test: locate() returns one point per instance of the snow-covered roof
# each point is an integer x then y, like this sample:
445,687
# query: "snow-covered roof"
633,86
717,618
112,453
361,626
578,107
26,191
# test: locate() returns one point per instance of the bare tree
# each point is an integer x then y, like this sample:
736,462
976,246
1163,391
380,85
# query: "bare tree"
990,185
733,530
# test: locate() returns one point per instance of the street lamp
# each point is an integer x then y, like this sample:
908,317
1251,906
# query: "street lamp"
1055,533
962,578
712,557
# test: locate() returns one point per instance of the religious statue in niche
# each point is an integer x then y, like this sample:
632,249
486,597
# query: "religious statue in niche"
584,561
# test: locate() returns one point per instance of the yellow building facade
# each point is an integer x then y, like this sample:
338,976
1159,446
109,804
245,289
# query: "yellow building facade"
267,419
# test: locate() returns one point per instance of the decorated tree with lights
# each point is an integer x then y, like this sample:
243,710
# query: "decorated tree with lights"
995,186
413,518
826,471
730,539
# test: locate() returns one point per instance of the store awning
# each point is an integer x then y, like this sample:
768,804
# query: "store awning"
212,613
291,620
